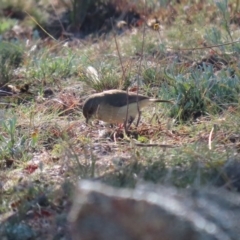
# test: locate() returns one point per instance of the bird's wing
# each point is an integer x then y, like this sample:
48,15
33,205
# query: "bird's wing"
121,99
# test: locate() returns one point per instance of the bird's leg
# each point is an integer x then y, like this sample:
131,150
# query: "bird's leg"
127,126
139,116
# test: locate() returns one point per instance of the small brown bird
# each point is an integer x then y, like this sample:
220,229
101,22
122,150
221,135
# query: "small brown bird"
116,106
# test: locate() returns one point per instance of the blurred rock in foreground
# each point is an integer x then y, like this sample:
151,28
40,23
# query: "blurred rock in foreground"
153,212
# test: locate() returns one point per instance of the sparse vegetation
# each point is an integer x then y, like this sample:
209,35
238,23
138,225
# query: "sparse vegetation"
11,56
184,52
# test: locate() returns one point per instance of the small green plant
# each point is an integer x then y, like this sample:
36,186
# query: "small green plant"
12,146
20,10
222,5
213,35
18,231
201,92
6,24
107,78
11,55
48,67
11,52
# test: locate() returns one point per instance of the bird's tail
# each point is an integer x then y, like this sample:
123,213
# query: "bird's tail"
160,100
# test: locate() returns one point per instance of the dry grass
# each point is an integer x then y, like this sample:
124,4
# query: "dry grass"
45,145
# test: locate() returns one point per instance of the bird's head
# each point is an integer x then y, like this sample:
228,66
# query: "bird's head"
89,109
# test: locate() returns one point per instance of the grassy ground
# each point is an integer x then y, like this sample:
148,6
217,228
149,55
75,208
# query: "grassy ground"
190,55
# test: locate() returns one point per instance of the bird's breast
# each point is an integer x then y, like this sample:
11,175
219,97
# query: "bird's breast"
113,114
